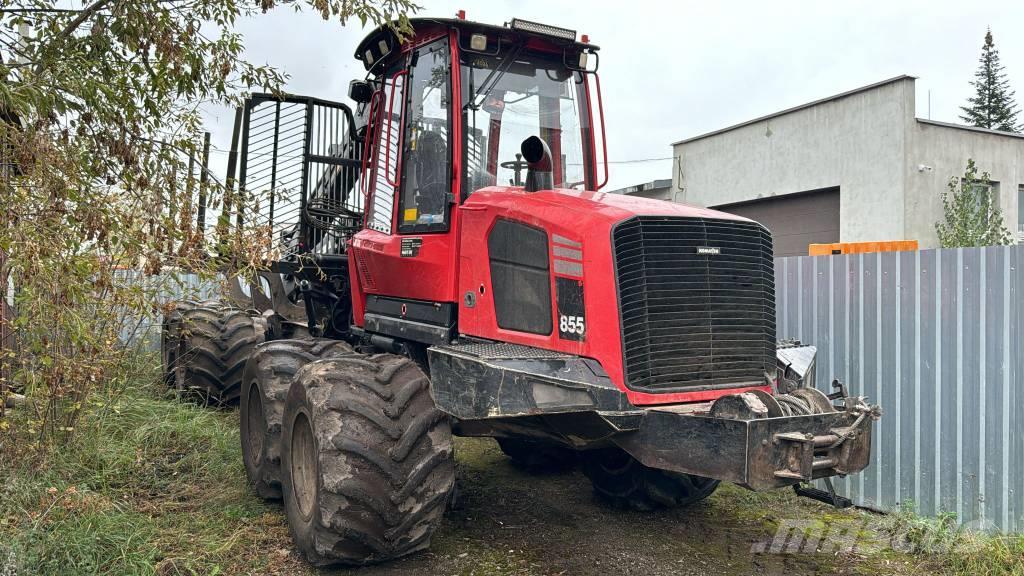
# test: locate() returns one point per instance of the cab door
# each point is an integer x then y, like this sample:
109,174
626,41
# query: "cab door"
405,256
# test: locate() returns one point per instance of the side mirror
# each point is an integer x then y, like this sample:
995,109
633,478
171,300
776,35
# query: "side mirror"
360,91
538,165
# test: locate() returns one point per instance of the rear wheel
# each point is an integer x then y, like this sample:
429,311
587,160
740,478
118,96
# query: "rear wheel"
267,376
171,340
215,342
535,456
624,482
366,459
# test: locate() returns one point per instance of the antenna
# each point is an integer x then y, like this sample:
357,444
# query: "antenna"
929,103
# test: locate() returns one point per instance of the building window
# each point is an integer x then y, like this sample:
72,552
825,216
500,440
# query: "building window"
1020,211
985,191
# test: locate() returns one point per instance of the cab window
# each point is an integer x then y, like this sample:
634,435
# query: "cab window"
426,158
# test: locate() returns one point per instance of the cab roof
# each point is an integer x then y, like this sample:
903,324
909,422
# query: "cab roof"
382,41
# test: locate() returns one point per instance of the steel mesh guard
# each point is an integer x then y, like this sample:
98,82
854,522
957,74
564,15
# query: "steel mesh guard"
697,302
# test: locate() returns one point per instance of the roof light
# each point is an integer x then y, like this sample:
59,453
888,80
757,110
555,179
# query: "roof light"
478,42
538,28
585,39
461,14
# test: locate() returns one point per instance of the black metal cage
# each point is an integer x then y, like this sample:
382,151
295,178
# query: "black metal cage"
300,160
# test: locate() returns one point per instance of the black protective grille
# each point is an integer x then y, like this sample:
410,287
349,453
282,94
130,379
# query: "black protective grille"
691,317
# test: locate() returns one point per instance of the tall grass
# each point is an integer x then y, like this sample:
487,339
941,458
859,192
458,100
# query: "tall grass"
147,485
959,550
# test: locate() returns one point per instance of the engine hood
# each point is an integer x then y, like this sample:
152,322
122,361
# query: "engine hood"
589,207
576,254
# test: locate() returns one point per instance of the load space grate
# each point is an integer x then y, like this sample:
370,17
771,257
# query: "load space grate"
697,302
300,160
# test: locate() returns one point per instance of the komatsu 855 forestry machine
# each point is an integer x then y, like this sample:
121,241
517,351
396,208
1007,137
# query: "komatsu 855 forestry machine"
446,264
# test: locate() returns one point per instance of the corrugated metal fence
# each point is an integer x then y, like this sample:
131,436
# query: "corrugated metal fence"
935,337
145,332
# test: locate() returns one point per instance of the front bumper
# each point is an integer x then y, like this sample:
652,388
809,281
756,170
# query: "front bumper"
503,389
759,454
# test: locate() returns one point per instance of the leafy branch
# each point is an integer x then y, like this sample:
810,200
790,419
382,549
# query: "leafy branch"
99,117
971,213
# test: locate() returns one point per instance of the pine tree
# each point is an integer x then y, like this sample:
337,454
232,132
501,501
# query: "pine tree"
992,105
971,212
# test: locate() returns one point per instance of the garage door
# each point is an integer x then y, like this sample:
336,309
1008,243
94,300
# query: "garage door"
795,220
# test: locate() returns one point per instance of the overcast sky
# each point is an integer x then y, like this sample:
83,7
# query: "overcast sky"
671,70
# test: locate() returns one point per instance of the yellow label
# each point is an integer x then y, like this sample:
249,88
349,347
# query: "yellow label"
410,215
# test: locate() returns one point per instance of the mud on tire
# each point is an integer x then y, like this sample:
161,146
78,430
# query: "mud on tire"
215,342
367,460
622,481
266,378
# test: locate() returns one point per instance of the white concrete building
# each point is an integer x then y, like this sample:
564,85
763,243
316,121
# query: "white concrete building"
658,189
858,166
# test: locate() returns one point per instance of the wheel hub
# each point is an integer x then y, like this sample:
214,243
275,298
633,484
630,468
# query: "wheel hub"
303,465
255,423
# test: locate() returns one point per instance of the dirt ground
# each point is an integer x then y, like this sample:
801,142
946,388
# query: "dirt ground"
507,521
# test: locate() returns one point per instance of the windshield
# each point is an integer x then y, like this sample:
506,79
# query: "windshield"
514,95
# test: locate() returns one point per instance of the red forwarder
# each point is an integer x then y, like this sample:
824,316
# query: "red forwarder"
448,265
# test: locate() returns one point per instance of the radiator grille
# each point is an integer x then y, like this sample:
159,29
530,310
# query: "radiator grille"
692,318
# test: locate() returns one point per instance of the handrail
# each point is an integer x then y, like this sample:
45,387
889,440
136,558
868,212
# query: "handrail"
372,133
387,142
604,134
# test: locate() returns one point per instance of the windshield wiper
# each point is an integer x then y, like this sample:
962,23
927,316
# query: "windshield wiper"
488,85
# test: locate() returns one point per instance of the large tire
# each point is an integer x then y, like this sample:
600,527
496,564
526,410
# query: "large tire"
216,341
170,338
367,460
265,382
535,456
624,482
170,344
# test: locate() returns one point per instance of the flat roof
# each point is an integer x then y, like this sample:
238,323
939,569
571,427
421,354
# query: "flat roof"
970,128
646,186
798,108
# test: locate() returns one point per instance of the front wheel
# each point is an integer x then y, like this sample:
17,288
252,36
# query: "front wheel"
624,482
366,460
266,379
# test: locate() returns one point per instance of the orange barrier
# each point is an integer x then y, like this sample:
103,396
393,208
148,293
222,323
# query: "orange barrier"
861,247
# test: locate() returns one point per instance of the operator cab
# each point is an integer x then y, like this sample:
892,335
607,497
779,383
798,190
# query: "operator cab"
510,83
446,112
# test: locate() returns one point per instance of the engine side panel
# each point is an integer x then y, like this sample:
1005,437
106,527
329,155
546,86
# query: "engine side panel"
479,288
521,277
584,306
